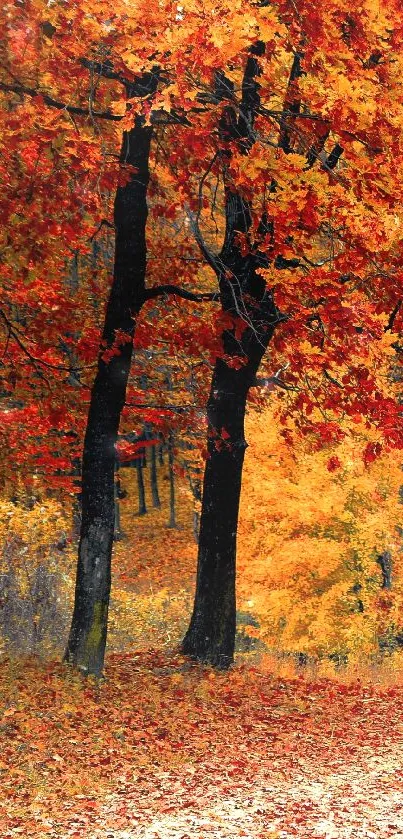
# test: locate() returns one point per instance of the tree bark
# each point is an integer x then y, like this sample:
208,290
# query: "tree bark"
87,639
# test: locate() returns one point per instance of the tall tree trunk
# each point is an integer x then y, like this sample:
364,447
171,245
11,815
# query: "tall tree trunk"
141,489
118,535
87,639
244,296
154,478
171,474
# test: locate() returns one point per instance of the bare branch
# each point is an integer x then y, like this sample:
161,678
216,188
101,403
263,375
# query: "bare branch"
179,409
210,258
103,223
13,333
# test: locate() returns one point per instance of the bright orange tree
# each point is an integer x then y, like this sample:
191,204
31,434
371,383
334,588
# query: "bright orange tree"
287,117
319,563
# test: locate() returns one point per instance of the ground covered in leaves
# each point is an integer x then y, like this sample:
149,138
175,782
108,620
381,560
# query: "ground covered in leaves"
164,749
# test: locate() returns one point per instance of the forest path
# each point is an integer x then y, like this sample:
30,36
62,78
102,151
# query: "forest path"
166,749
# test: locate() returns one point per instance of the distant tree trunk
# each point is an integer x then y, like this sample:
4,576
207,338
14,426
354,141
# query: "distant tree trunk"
161,454
76,511
141,489
87,638
171,473
118,535
385,561
195,486
196,526
154,478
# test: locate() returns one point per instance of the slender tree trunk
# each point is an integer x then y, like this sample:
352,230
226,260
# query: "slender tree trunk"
141,489
195,486
118,535
172,514
154,478
196,526
87,639
76,511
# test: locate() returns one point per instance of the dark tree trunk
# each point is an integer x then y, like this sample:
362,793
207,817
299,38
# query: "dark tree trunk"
87,639
385,561
141,489
211,634
195,486
118,535
244,296
172,514
154,478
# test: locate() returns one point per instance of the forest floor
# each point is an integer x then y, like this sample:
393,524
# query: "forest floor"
163,749
166,749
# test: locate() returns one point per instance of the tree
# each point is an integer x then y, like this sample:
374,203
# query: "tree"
309,565
275,234
87,638
54,36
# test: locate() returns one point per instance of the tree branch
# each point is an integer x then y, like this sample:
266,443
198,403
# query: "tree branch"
332,380
13,333
160,290
22,90
179,409
334,157
105,69
392,316
159,117
292,104
211,259
103,223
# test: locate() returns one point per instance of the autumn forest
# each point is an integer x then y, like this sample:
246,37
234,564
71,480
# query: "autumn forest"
201,427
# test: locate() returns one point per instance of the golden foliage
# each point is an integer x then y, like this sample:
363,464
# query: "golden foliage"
309,541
